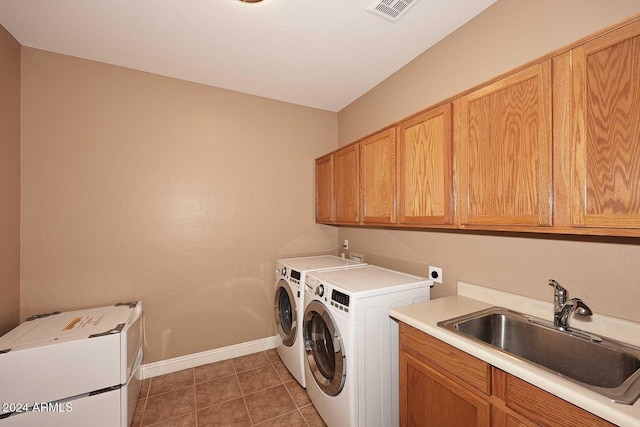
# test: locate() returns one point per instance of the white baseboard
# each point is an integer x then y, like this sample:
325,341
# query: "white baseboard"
176,364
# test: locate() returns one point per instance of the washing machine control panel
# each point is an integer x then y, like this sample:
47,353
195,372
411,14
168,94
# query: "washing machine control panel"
295,276
340,299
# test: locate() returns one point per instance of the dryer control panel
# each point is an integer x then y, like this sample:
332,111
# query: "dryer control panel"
317,290
340,298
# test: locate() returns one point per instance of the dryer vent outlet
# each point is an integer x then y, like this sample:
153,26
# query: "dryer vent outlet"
435,274
390,10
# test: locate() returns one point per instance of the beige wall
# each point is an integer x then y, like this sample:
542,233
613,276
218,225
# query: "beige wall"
604,272
9,181
137,186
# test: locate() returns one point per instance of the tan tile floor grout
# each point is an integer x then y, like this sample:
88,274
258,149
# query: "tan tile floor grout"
210,395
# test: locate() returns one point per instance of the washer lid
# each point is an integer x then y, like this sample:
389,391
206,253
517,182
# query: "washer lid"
318,262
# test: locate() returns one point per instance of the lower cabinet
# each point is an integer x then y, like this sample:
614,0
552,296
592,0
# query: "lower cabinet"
423,387
499,418
441,385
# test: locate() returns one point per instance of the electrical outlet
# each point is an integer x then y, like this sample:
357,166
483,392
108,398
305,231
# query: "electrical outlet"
346,244
435,274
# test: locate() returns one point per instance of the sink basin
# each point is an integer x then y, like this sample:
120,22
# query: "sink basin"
603,365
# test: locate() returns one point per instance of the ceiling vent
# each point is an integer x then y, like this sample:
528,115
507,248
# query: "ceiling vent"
391,10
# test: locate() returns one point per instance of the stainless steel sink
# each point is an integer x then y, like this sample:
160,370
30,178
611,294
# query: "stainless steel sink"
603,365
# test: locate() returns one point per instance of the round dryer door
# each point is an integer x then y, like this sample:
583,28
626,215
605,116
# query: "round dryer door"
285,313
324,348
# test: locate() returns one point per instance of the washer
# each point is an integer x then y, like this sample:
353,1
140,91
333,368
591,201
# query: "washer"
289,305
351,343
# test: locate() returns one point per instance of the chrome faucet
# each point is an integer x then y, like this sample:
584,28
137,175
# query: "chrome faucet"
563,308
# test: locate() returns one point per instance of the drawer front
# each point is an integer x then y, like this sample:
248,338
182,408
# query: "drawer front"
449,359
53,372
544,408
100,410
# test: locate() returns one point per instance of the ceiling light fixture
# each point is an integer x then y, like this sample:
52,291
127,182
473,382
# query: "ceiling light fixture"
250,1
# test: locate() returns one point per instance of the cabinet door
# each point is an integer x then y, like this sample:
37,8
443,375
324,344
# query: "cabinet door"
378,178
606,162
346,168
324,189
504,149
429,399
500,418
425,169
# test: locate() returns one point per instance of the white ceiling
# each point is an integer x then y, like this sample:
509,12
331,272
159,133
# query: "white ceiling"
318,53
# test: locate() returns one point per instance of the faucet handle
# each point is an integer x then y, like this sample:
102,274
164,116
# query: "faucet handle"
560,294
556,285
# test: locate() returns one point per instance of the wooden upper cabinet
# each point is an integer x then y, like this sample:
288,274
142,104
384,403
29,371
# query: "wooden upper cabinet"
606,154
425,169
553,147
378,178
504,146
324,189
346,181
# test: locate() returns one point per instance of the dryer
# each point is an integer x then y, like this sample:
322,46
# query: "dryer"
289,305
351,343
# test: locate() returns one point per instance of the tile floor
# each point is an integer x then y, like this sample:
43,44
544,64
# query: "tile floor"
252,390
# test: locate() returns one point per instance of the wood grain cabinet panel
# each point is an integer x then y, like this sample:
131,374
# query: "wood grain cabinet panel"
553,147
500,418
324,190
470,370
545,409
425,169
606,161
504,145
430,399
346,181
378,178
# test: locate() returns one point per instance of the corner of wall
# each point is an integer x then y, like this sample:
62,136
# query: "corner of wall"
10,82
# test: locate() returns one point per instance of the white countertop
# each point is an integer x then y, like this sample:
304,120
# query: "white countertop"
425,316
